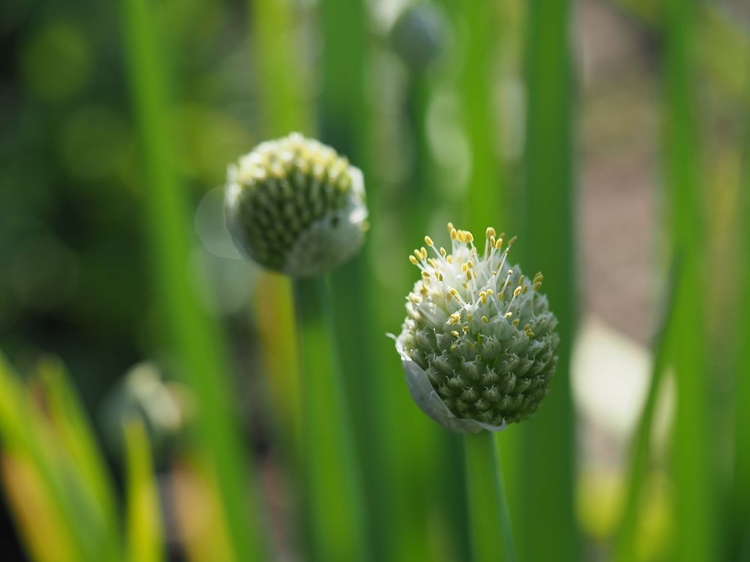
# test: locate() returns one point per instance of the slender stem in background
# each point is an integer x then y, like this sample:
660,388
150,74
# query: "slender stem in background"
194,335
625,547
489,519
548,529
145,541
693,445
284,108
332,478
740,502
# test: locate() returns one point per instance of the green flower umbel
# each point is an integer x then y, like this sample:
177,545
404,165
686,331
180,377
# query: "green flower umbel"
296,206
478,343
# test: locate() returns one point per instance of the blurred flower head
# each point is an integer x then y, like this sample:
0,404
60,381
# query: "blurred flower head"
478,343
295,206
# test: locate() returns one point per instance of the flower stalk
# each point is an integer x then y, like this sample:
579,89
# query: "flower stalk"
488,507
332,480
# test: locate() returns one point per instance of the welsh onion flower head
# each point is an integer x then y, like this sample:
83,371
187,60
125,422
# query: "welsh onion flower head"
295,206
478,343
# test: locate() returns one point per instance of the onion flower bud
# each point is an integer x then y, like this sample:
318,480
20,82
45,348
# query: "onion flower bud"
478,342
295,206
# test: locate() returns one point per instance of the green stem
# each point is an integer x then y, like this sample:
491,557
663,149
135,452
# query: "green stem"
195,336
488,507
335,507
626,538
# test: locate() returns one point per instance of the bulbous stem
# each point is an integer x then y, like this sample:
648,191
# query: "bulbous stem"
489,518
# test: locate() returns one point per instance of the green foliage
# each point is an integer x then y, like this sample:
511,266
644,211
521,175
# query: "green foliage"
119,122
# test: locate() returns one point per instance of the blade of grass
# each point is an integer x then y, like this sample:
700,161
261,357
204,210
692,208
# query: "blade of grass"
144,534
39,521
489,519
548,528
740,503
692,455
332,475
625,546
77,436
194,335
26,434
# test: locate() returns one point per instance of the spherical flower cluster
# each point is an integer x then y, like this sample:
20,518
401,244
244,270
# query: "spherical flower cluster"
296,206
478,343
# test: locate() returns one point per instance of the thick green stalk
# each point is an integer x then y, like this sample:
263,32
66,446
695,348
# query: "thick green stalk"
625,546
548,523
693,454
278,68
332,477
741,490
478,88
489,519
193,334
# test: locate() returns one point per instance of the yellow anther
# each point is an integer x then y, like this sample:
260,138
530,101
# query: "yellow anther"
517,291
455,333
508,314
413,260
439,276
465,329
470,264
428,241
418,254
455,318
449,259
423,290
423,252
525,289
537,285
464,267
450,227
520,279
425,275
490,232
469,236
485,320
516,322
483,297
454,234
432,262
490,292
443,252
498,243
512,241
465,285
469,317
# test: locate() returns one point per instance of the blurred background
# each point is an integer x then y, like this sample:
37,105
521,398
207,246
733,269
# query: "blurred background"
609,135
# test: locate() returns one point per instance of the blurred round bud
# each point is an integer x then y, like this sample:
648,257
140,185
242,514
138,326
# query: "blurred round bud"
418,35
165,408
478,343
295,206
